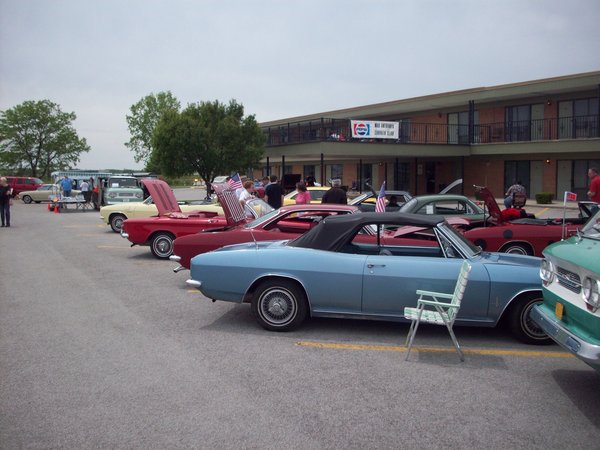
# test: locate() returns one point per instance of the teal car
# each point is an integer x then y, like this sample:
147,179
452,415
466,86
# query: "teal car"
570,313
446,205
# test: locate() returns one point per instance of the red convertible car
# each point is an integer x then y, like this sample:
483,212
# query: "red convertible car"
524,236
287,222
160,232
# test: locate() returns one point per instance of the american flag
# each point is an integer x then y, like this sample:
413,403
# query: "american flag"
570,196
235,182
380,205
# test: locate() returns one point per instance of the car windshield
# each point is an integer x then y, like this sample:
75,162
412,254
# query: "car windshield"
409,205
257,208
591,229
260,220
122,183
466,246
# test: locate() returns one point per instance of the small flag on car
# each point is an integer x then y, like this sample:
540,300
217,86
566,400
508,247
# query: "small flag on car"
380,205
570,196
235,182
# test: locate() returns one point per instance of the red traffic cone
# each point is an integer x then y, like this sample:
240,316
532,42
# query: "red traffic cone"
56,209
49,207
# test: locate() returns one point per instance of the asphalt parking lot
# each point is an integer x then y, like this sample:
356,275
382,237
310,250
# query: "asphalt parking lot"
101,345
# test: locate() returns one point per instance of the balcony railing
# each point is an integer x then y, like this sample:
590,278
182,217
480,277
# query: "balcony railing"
579,127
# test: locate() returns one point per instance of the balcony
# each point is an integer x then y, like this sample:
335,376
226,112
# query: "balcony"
338,130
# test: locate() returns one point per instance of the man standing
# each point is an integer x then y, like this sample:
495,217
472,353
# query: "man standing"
274,193
67,185
85,191
594,192
336,194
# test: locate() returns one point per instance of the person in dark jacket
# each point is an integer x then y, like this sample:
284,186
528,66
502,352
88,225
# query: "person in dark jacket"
335,194
5,200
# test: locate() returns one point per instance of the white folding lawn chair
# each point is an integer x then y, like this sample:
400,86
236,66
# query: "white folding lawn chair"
440,313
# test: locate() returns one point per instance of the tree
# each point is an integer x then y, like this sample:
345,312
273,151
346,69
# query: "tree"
145,114
209,138
39,136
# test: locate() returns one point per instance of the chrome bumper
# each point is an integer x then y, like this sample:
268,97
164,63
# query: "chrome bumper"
193,283
587,352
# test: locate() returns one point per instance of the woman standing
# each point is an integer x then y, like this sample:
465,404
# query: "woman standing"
5,201
303,197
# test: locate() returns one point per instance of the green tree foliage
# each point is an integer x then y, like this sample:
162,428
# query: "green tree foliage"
38,136
209,138
145,114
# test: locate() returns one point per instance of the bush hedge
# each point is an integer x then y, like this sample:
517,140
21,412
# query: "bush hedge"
544,198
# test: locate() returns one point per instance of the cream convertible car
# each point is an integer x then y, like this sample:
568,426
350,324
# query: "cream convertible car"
114,215
44,193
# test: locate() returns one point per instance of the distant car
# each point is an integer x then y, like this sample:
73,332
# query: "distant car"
286,222
316,194
445,205
337,269
45,193
160,232
524,236
20,184
115,215
570,276
366,201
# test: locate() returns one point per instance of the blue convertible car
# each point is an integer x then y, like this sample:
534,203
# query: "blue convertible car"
369,266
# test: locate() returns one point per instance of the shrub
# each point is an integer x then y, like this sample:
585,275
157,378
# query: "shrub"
544,198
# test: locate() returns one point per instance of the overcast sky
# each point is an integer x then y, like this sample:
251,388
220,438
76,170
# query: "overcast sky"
278,58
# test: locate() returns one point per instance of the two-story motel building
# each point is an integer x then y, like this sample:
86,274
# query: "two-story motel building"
545,133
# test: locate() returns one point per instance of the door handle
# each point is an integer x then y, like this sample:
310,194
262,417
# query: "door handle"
370,266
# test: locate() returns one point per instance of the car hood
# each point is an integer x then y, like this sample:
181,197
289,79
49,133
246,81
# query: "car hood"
509,259
490,203
163,196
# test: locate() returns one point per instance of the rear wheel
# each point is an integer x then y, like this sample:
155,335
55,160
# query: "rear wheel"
116,222
518,249
162,245
522,325
279,305
27,199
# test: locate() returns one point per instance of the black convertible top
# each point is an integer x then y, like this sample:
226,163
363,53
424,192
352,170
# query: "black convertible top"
335,231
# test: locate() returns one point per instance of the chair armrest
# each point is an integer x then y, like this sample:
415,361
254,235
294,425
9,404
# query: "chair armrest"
434,294
434,303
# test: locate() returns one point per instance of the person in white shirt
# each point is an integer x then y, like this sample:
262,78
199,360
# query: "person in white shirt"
246,193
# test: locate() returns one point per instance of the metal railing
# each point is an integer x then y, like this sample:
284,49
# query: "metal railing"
325,129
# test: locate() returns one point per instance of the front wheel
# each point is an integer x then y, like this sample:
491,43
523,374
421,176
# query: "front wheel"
116,222
522,325
162,245
279,305
27,199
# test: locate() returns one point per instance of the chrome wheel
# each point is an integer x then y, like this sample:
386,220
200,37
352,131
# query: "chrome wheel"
162,245
116,222
279,305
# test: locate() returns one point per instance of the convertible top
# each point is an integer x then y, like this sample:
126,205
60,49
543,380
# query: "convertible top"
335,231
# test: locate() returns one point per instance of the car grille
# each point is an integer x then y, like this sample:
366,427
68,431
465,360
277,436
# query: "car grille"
125,194
569,280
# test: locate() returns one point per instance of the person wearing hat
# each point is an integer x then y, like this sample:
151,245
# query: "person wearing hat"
335,194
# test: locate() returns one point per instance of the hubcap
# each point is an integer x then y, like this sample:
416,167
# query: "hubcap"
530,327
278,306
163,245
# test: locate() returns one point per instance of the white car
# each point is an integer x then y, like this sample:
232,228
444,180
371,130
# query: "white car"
114,215
44,193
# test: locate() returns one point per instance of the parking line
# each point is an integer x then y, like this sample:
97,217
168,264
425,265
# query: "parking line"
402,349
539,213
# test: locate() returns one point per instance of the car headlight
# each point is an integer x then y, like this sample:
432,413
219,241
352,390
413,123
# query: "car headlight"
590,291
547,272
112,194
138,195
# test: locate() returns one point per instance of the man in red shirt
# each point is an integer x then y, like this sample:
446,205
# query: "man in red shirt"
594,192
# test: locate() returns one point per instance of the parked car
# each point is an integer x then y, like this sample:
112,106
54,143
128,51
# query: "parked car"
115,215
367,200
445,205
316,193
337,270
160,232
20,184
286,222
570,313
524,236
45,193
